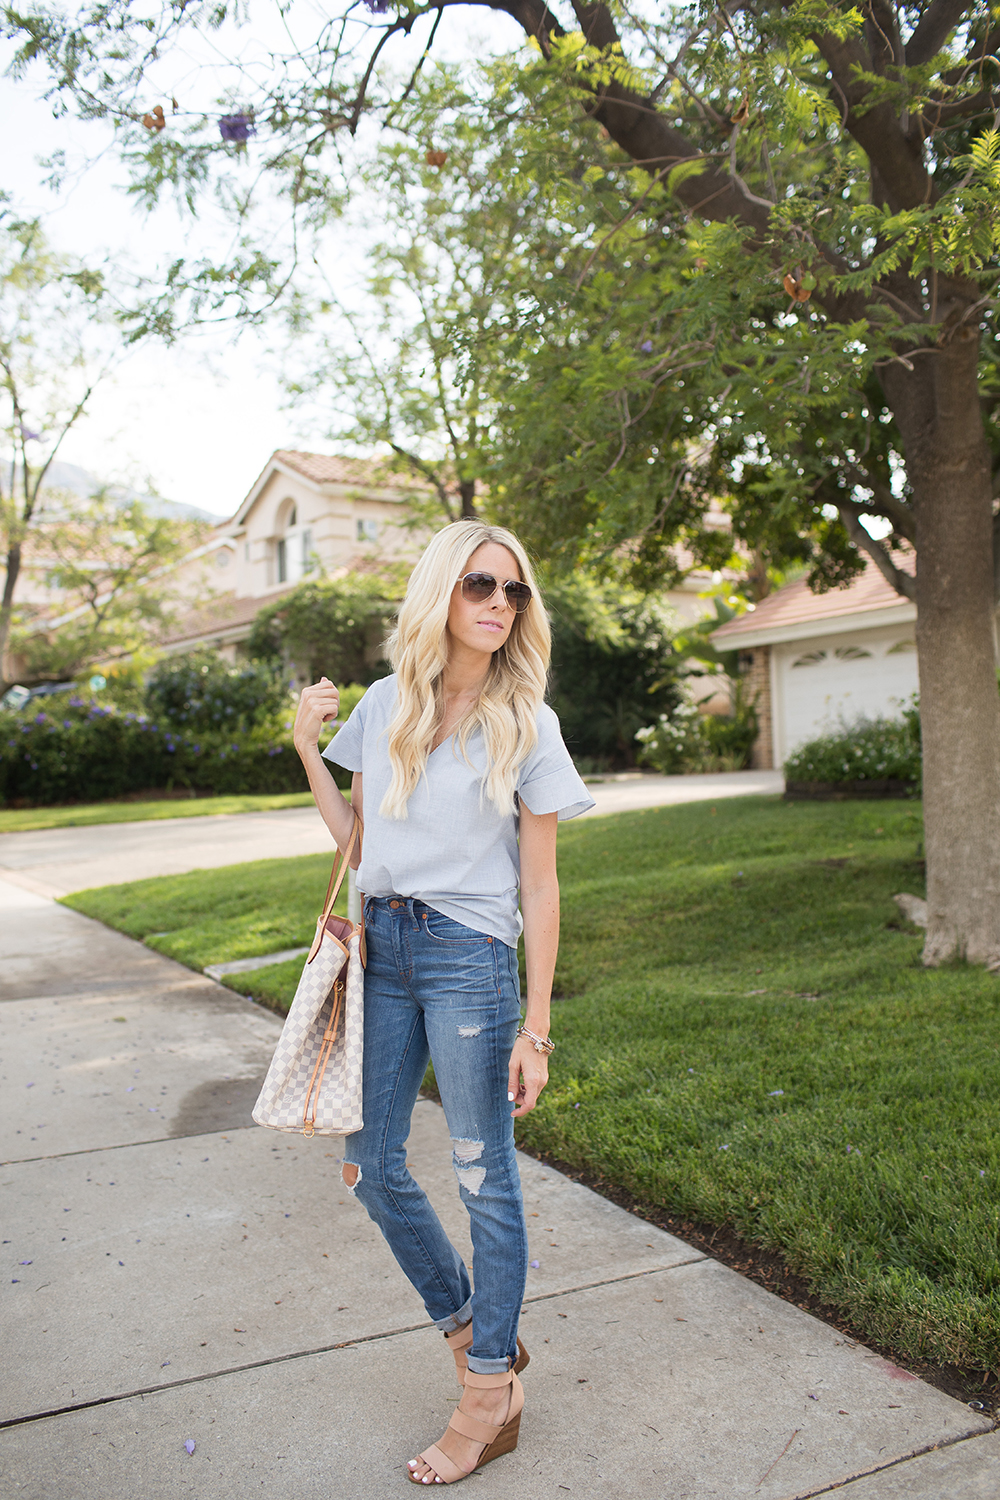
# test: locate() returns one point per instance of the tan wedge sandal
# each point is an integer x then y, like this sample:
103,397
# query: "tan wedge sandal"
497,1440
459,1343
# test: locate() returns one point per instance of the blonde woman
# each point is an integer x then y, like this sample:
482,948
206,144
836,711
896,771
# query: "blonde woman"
460,775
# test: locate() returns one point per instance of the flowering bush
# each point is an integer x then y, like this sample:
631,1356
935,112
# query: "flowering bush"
867,750
202,692
78,749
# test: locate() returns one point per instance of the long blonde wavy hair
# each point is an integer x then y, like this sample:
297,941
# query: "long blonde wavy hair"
507,707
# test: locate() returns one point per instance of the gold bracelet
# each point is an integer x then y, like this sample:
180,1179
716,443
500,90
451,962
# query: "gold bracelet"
540,1043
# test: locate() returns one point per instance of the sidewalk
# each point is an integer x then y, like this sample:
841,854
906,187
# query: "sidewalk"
55,861
174,1273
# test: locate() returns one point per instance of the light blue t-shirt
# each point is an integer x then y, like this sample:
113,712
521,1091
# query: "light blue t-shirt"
455,851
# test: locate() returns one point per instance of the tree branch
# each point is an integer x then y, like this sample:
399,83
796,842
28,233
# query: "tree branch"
427,471
933,29
895,158
894,510
902,582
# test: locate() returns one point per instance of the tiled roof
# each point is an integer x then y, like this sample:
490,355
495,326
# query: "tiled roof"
795,604
329,468
224,614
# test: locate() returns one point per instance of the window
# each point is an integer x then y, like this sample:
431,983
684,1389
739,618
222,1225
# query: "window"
308,556
367,530
282,560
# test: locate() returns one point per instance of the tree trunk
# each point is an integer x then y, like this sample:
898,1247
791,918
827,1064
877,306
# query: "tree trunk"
467,492
937,407
7,607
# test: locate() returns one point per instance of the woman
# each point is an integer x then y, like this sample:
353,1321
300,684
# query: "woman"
460,775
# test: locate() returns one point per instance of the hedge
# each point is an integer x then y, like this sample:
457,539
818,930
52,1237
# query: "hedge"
77,749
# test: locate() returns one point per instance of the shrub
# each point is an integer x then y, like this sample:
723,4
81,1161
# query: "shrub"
331,626
79,749
867,750
201,693
689,741
613,667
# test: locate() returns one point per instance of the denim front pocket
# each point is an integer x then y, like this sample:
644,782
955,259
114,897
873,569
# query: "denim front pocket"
445,930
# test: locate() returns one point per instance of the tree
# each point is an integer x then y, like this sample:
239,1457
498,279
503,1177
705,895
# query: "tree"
839,171
110,567
614,666
58,341
385,356
332,626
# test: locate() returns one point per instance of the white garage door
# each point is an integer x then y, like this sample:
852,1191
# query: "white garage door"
821,684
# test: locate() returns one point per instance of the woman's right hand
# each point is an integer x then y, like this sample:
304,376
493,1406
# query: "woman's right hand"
318,704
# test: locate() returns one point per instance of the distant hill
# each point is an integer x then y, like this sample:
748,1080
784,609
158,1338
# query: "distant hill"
65,476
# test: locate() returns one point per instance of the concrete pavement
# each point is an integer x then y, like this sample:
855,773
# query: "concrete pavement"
55,861
175,1275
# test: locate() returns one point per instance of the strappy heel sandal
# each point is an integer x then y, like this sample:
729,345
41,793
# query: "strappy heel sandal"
459,1343
497,1440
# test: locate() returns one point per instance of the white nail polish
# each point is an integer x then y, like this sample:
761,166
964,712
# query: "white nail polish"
510,1098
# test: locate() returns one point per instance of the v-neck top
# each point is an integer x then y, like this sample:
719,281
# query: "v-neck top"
455,850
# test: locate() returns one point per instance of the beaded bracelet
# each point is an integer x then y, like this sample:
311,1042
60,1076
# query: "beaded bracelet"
541,1043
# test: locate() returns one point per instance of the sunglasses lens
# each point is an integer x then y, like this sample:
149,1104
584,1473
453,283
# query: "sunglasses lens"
518,594
478,586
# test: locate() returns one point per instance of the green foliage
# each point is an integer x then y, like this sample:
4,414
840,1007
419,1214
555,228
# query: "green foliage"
867,750
688,741
77,749
747,1010
613,666
110,565
334,627
201,692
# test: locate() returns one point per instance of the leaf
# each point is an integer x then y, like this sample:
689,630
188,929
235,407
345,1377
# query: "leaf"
684,171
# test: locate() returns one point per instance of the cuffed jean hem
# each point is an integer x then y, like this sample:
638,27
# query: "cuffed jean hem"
488,1366
457,1320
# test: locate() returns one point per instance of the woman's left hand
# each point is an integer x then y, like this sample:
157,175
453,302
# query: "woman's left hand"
528,1075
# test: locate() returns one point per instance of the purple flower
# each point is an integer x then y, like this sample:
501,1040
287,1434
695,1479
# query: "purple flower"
647,347
40,719
189,1445
237,128
29,436
776,1094
67,723
534,1264
377,7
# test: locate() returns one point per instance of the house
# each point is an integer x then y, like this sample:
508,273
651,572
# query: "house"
814,661
306,513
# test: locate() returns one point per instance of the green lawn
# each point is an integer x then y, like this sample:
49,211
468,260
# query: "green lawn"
746,1037
84,814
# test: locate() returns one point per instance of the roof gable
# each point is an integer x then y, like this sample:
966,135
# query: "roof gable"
794,611
320,469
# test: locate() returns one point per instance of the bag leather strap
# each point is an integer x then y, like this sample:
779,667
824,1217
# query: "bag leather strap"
343,859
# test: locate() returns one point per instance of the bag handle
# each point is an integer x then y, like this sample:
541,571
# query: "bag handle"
343,858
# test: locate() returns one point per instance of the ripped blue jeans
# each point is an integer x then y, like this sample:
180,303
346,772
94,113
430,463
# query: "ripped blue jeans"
434,988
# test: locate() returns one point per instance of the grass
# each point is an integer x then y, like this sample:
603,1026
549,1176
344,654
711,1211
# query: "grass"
86,814
746,1037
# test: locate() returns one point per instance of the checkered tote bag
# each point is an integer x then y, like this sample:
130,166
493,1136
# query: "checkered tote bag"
313,1085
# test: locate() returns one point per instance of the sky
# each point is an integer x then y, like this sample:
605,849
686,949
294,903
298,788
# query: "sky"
199,420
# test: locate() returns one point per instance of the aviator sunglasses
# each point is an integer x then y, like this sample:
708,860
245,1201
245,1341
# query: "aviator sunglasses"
478,587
